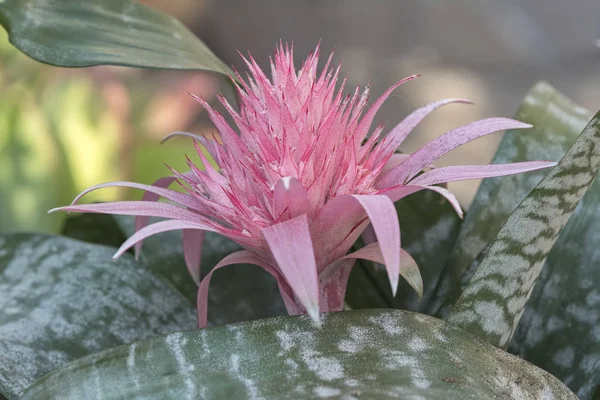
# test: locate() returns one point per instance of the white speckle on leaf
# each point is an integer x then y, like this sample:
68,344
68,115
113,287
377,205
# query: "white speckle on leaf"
564,357
325,368
388,323
325,392
418,345
175,342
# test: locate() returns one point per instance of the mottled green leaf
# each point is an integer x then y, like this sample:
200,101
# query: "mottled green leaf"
558,330
557,123
492,303
371,354
429,226
93,32
237,293
61,299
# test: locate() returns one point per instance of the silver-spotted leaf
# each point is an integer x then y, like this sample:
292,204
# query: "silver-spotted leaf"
558,328
94,32
557,122
371,354
62,299
493,301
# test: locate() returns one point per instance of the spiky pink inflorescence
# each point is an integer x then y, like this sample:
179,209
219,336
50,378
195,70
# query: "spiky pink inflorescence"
299,179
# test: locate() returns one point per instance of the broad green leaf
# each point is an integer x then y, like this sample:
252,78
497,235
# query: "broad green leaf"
371,354
61,299
70,33
492,303
557,123
429,226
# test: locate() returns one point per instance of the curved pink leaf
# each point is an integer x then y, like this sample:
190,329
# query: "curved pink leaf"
397,135
142,221
192,241
158,227
445,143
409,269
292,248
242,257
463,172
384,219
141,208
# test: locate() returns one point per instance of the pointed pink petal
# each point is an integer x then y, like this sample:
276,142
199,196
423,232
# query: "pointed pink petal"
383,217
463,172
449,196
290,196
158,227
427,154
409,269
367,119
397,135
192,241
292,249
141,208
241,257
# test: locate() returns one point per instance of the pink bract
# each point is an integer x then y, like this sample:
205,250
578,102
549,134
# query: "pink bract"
300,176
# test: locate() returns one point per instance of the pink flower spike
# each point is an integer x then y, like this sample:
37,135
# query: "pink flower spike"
301,174
292,249
290,197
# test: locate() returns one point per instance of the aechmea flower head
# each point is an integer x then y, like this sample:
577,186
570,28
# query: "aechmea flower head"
300,175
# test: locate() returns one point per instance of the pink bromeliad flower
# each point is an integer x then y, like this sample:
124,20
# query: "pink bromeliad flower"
300,176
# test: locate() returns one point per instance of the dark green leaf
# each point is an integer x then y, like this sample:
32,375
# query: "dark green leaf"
61,299
71,33
371,354
94,228
493,301
429,226
557,123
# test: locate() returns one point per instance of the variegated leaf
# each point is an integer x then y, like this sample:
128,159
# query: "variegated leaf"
557,122
61,299
379,354
493,301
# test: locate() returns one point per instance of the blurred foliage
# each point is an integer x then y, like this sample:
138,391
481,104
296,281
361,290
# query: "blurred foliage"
62,131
